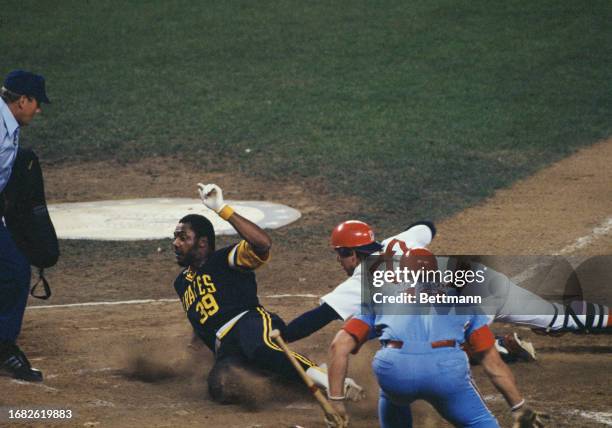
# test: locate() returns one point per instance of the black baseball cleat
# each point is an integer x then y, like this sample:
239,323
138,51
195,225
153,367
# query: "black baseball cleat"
14,363
512,348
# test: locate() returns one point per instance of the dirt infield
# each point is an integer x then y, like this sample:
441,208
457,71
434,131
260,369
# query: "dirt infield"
133,364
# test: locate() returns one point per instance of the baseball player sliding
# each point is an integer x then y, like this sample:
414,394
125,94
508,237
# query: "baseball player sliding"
218,292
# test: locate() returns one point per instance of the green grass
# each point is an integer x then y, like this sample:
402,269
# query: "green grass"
421,108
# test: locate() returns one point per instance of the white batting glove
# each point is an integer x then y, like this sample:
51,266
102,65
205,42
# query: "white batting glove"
212,196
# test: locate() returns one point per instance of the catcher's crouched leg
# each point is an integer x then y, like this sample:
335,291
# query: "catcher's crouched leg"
224,380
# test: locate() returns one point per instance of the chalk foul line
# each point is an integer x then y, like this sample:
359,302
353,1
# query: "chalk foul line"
604,418
603,229
145,301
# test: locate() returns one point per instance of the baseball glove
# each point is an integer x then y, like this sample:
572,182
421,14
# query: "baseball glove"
528,418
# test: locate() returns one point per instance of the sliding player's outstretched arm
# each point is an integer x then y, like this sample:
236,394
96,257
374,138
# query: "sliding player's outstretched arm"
259,240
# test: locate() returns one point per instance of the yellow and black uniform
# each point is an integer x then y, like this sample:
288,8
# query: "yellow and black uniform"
220,300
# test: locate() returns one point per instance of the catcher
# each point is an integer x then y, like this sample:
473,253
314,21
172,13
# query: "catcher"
218,292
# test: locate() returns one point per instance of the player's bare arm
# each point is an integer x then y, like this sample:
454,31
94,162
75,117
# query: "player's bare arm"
501,376
253,234
212,197
339,350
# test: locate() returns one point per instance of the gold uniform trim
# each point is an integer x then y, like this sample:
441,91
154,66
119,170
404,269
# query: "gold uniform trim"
267,328
243,256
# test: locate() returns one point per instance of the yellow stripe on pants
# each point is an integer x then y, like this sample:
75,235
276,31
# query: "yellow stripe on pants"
266,337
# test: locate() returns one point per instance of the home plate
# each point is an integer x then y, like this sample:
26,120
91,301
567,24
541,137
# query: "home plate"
154,218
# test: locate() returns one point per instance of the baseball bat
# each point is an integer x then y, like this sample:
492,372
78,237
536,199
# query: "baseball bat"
329,411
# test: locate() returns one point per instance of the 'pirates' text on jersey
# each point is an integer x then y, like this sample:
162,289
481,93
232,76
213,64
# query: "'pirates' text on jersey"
221,289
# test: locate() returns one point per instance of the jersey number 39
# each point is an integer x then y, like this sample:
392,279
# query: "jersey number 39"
206,307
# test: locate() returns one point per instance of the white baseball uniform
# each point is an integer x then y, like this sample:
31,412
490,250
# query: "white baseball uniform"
346,297
503,299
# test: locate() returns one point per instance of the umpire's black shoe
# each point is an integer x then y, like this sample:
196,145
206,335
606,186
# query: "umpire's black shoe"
15,364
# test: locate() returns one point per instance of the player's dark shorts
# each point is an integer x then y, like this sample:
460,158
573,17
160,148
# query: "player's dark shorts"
249,342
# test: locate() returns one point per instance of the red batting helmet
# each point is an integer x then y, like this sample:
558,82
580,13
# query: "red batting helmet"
355,234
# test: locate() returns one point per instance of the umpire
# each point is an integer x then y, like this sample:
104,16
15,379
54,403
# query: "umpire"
22,96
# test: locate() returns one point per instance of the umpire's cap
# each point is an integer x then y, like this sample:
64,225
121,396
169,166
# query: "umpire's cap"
27,83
